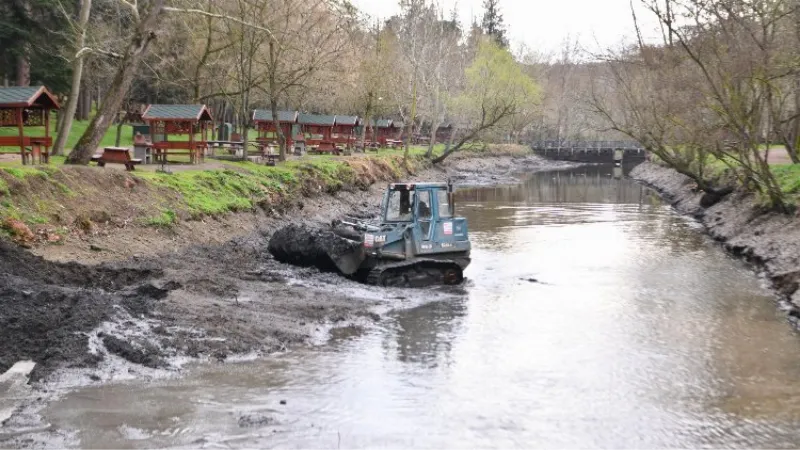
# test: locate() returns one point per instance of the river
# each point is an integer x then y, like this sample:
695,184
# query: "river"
593,316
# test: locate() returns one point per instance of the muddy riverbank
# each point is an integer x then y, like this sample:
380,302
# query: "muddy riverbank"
768,239
118,318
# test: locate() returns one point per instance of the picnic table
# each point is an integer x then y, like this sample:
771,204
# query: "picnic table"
394,143
116,155
325,147
196,150
231,145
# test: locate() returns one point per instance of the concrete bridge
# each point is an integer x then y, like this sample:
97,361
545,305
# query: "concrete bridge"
618,152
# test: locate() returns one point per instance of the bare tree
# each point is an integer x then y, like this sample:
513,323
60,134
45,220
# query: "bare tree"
65,121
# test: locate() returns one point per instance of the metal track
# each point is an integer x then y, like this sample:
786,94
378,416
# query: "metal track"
416,273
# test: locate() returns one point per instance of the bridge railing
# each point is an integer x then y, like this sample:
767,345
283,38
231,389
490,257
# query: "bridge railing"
556,144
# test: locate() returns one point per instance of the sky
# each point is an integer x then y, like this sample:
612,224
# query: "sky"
545,25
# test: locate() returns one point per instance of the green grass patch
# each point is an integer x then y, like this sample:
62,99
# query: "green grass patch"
788,177
211,192
22,172
167,219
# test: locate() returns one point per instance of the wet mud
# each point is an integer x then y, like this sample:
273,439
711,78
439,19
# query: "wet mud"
308,246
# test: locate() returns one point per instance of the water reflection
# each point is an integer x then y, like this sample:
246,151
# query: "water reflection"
424,335
589,184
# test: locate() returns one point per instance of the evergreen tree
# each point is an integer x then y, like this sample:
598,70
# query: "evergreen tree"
493,22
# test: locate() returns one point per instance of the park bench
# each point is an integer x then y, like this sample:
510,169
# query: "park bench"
116,155
327,147
35,147
195,150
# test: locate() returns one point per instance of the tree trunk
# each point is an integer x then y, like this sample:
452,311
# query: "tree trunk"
363,138
410,127
24,68
245,140
278,129
434,124
432,143
137,48
65,125
367,117
119,133
450,138
87,103
458,146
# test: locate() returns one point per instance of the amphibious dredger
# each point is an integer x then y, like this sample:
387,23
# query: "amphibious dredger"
417,241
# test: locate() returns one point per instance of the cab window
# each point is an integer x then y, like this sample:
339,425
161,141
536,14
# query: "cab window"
424,212
399,206
445,209
424,209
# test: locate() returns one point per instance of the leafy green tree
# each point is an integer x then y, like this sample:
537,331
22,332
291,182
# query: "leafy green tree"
497,90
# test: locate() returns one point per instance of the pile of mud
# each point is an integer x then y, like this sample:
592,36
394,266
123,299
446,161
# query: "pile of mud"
323,248
48,309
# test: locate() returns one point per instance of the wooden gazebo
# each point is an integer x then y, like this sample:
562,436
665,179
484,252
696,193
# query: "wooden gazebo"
23,107
344,130
267,133
178,120
318,128
383,131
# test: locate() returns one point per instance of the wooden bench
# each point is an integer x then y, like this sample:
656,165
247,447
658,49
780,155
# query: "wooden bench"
326,147
195,150
116,155
35,147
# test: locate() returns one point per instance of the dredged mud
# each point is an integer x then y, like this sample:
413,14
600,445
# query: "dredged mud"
306,246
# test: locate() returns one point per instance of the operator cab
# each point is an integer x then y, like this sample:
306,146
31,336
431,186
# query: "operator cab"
409,202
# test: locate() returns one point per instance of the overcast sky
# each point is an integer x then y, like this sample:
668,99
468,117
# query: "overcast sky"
545,24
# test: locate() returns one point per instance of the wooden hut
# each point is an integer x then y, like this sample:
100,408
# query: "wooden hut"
396,131
25,107
186,120
443,133
267,133
379,131
318,129
344,130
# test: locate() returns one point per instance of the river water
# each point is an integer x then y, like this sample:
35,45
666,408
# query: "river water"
593,317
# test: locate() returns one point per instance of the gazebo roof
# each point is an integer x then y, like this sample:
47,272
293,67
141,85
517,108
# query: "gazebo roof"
265,115
313,119
348,120
381,123
177,112
27,96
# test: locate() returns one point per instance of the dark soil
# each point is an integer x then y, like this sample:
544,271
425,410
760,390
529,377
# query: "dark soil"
766,238
48,309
